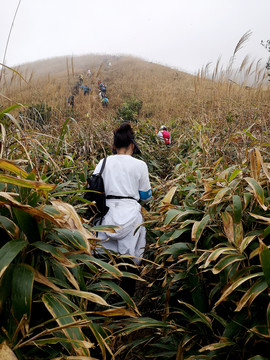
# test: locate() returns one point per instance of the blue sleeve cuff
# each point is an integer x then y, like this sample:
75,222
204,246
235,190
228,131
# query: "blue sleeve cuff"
145,195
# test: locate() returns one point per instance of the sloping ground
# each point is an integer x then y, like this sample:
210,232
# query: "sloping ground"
164,91
168,95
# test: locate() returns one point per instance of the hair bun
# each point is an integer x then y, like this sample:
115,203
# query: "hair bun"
125,127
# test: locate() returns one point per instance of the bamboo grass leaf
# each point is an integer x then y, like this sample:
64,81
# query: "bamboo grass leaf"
143,323
10,166
22,288
257,190
10,227
220,195
246,241
118,290
12,118
107,267
203,318
260,160
64,316
260,217
217,346
177,248
9,251
117,312
238,233
228,226
237,208
86,295
217,252
256,289
265,262
234,174
168,197
235,285
227,261
198,228
38,185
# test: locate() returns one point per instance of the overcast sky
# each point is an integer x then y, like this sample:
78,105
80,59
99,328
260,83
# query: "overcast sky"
185,34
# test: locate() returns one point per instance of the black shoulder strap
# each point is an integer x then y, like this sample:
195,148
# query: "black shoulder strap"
103,166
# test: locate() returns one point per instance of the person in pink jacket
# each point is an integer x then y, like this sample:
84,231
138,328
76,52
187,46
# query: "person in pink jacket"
164,135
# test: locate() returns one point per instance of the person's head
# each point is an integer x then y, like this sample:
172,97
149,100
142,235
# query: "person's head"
163,127
124,138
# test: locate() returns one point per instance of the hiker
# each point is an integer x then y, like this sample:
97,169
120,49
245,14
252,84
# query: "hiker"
104,101
164,135
76,88
101,95
89,73
85,89
126,181
71,101
81,78
103,89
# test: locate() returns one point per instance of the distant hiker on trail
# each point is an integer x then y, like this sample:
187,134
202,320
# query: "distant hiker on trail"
164,135
76,88
71,101
89,73
105,101
81,78
103,89
86,89
101,95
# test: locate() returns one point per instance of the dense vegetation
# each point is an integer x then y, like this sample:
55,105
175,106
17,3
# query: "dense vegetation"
203,290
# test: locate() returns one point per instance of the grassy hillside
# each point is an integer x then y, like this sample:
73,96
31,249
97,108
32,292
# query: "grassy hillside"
203,290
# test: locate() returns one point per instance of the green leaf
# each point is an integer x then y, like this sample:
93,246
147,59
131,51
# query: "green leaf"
227,261
177,249
202,317
38,185
143,323
237,208
235,285
27,224
218,198
257,190
217,346
118,290
176,215
63,315
21,293
255,290
217,252
265,262
12,167
247,199
73,237
198,228
9,226
9,251
108,267
234,174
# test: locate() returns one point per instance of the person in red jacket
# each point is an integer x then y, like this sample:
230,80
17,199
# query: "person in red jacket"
164,135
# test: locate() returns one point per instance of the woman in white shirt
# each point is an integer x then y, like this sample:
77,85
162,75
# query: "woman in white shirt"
126,181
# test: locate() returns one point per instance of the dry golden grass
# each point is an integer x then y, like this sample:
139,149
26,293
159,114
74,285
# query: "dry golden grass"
169,96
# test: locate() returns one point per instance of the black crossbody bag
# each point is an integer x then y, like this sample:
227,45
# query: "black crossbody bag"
97,194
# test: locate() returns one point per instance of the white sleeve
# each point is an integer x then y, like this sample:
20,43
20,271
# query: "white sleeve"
98,167
144,183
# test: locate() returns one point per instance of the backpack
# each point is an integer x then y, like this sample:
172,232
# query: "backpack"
166,137
96,184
